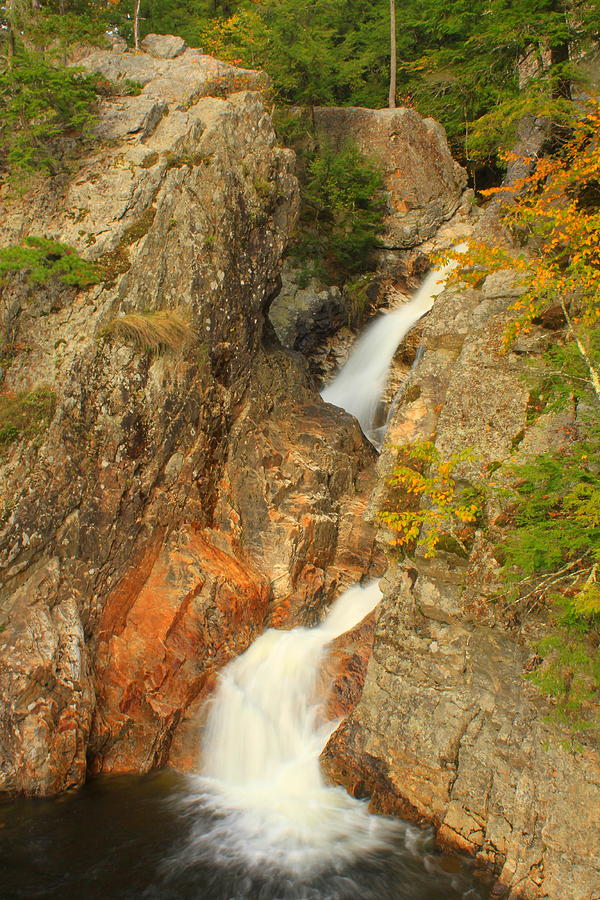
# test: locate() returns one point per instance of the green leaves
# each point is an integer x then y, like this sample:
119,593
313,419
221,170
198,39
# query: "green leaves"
342,210
315,52
38,103
26,414
556,510
554,543
42,260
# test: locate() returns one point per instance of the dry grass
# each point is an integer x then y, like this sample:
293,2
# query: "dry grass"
155,332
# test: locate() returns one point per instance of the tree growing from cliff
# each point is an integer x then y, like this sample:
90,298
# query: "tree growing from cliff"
551,547
341,213
40,102
42,260
551,559
427,507
555,214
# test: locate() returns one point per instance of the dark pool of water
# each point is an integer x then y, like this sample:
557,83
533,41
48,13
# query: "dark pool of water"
121,839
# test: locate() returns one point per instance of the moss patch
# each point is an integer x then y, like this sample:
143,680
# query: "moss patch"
113,264
177,160
25,414
139,228
116,262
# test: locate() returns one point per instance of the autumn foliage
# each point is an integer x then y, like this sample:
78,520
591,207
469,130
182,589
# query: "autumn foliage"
554,217
429,508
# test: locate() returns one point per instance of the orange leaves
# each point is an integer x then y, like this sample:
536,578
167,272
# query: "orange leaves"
558,205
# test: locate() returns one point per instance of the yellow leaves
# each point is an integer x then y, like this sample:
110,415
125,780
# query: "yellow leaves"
430,502
467,513
587,601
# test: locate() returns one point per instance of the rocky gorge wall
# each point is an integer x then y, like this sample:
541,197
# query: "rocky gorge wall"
447,729
180,502
177,500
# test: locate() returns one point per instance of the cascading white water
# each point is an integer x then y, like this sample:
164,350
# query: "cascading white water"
359,385
261,774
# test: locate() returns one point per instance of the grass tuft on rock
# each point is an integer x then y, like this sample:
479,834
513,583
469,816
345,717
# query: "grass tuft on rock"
153,332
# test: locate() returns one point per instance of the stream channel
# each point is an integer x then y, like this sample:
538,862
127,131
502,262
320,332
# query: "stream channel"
259,822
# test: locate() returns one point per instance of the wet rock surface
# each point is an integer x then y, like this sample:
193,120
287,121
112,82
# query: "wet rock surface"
295,489
160,643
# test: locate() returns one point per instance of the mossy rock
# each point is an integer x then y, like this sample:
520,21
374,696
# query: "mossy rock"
25,415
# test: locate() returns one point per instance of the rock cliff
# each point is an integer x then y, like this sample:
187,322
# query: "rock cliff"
180,501
177,500
447,729
424,184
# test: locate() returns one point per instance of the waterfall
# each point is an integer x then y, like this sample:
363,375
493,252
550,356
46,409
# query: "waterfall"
261,775
360,383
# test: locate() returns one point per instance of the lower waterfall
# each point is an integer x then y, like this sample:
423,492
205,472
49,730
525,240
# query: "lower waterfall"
265,825
264,735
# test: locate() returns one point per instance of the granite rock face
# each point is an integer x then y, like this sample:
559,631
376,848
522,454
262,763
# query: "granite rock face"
295,489
101,512
424,184
163,46
447,730
304,315
177,501
161,640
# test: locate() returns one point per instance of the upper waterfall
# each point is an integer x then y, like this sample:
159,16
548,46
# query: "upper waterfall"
359,385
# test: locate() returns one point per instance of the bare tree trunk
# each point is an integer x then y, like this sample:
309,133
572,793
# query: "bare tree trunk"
136,25
11,32
11,46
594,376
393,62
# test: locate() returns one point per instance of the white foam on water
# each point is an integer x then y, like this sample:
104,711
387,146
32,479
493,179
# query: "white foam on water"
261,776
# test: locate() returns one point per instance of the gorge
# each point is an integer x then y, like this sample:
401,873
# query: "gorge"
181,504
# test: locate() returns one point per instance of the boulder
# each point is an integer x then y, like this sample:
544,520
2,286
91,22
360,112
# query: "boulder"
424,184
163,46
180,81
305,314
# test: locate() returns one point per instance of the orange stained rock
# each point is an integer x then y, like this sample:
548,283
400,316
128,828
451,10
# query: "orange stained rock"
197,608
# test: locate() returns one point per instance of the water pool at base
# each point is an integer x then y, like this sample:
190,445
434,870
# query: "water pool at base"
259,823
128,838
